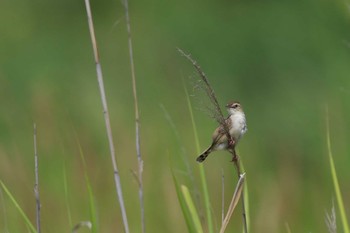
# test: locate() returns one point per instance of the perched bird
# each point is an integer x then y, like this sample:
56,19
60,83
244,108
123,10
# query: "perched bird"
236,125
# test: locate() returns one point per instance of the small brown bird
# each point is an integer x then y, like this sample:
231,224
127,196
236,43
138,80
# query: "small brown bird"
237,126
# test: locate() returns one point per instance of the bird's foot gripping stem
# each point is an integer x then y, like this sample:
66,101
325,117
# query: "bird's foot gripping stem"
231,143
235,156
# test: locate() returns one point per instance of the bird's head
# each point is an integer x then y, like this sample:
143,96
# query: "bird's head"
234,107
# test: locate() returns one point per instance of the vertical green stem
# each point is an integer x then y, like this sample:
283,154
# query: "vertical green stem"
201,171
335,181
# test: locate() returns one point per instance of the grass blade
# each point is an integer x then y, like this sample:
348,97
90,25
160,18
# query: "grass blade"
246,207
93,217
201,169
13,200
65,186
186,212
335,181
192,209
4,228
245,204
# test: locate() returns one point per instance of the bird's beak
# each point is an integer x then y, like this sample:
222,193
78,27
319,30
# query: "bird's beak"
227,105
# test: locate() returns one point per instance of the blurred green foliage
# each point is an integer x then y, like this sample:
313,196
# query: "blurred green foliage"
284,60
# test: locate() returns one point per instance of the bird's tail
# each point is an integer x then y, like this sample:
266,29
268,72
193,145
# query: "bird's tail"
204,155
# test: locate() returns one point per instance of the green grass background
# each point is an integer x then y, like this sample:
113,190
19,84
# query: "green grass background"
284,60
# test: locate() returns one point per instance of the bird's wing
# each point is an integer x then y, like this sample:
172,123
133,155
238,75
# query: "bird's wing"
228,123
219,134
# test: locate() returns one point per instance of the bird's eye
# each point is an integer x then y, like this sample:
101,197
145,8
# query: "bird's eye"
235,105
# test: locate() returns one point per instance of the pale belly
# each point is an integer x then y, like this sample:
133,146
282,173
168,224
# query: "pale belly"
221,146
239,126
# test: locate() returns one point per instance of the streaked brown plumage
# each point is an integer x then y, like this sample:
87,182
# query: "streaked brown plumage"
236,123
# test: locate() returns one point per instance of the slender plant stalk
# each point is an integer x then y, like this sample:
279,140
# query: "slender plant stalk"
183,156
236,163
335,180
30,226
106,117
245,202
93,216
137,117
196,190
190,206
221,120
201,171
222,196
189,218
4,212
234,201
36,185
65,186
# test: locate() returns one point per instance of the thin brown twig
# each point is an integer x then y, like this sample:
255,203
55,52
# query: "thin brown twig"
106,117
221,120
137,117
36,185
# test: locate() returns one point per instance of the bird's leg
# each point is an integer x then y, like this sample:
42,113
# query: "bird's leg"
235,156
231,143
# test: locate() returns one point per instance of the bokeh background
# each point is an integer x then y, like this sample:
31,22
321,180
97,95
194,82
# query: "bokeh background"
284,60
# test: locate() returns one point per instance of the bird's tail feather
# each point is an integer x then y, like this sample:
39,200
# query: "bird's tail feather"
204,155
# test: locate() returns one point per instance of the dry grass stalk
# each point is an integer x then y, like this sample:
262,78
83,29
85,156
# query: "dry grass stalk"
137,117
235,198
106,117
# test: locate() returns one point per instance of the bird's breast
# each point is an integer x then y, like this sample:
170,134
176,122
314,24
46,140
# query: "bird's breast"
239,127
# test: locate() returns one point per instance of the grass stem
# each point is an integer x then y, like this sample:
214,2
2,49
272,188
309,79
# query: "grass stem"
201,170
335,180
222,196
106,117
137,117
36,185
234,201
